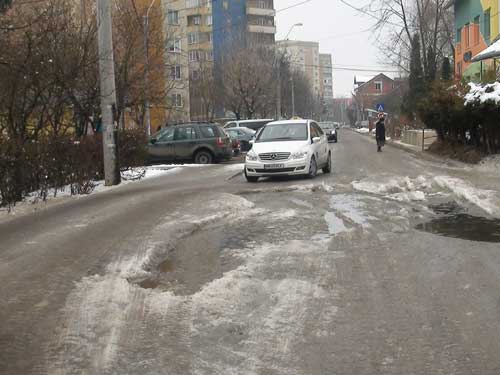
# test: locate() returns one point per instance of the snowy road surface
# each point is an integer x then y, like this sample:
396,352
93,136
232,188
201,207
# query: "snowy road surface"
375,269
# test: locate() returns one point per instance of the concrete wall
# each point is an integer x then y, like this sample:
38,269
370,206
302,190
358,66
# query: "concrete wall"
414,137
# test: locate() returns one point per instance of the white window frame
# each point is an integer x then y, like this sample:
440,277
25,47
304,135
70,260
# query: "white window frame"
175,46
176,72
170,14
194,55
177,100
193,38
381,86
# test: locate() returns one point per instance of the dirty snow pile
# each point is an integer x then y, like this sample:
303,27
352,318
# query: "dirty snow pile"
487,200
362,130
401,189
490,165
489,93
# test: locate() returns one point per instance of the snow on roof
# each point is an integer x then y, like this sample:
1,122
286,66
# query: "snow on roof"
489,93
489,53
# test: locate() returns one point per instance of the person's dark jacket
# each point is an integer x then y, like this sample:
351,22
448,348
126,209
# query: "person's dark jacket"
380,131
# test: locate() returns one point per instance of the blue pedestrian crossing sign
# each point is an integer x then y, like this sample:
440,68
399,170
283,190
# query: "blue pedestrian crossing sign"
380,107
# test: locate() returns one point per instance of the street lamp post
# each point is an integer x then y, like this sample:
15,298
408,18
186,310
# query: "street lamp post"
278,94
147,113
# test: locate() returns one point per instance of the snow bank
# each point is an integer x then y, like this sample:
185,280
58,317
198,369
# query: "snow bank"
490,165
487,200
362,130
396,188
488,93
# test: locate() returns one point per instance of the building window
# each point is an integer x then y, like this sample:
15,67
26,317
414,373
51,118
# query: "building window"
459,35
487,25
194,20
175,72
175,45
476,31
176,100
467,35
193,38
210,55
378,87
459,69
209,20
195,74
194,56
210,37
193,3
173,17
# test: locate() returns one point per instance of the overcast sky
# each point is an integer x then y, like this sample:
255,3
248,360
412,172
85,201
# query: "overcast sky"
338,29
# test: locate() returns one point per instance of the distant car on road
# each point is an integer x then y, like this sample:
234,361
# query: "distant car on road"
330,130
289,147
202,143
251,124
242,134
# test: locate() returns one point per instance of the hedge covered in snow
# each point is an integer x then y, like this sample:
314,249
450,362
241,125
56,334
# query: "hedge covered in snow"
467,114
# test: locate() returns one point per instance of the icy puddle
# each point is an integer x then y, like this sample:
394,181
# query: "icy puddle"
455,223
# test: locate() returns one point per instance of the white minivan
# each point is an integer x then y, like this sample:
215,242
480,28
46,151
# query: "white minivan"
251,124
288,147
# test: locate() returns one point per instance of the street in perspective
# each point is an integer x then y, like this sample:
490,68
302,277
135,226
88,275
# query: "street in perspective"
192,187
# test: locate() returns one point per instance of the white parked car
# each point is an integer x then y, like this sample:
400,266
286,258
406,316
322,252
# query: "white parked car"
289,147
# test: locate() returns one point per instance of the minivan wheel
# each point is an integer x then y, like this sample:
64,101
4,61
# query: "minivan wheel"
313,168
328,167
203,157
251,178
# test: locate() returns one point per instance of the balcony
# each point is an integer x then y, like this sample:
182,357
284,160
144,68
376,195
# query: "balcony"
253,10
262,29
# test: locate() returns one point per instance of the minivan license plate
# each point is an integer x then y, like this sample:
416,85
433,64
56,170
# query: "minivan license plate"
274,166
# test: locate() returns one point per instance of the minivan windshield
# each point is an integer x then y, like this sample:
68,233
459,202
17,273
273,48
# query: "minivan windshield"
283,132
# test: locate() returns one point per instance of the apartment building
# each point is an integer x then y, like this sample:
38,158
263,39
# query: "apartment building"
176,60
240,23
305,57
197,31
477,25
326,76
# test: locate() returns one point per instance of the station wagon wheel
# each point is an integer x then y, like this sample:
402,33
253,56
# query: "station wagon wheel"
203,157
313,168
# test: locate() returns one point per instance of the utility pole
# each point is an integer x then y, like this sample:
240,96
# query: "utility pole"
278,93
108,92
293,97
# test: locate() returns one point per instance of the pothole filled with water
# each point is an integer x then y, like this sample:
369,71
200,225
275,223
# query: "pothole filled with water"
453,221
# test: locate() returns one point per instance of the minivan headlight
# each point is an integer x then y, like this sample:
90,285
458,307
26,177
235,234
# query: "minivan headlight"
252,156
299,155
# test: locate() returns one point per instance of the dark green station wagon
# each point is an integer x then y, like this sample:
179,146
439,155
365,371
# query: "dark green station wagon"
202,143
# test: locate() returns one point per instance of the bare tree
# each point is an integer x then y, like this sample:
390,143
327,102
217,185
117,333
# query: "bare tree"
397,21
248,79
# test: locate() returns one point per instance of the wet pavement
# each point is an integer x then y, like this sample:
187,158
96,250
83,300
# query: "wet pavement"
390,265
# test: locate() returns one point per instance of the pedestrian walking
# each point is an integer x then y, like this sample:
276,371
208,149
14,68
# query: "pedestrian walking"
380,132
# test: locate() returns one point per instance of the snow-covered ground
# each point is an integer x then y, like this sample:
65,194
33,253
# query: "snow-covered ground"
490,165
32,203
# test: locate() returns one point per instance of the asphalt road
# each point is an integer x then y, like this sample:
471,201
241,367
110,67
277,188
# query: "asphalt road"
192,273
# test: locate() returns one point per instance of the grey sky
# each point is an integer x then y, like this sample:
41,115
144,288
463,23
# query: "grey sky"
338,29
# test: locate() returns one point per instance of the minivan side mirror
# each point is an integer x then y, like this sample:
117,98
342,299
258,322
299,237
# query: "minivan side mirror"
316,140
251,141
152,141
